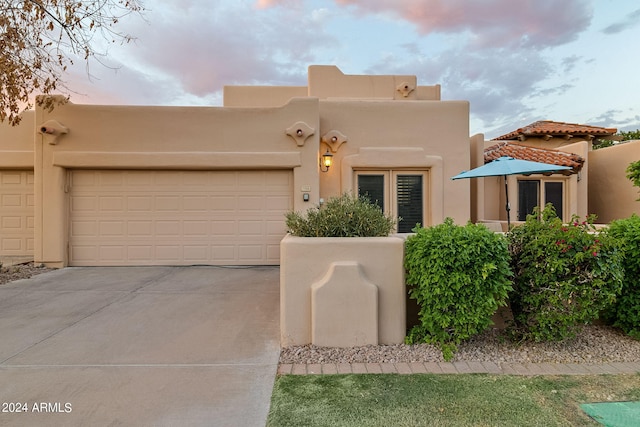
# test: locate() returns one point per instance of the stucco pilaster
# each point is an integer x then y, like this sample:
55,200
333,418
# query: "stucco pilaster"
50,201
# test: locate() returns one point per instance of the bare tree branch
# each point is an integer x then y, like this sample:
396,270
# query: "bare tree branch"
38,39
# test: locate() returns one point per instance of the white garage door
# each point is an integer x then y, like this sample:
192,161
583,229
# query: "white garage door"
16,213
177,217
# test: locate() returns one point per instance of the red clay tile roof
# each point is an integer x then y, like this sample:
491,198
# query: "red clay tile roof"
547,127
535,154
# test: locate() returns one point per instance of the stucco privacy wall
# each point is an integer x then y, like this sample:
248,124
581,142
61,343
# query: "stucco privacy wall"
167,138
611,194
308,265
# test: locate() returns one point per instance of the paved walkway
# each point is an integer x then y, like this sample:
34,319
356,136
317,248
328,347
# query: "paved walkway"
461,368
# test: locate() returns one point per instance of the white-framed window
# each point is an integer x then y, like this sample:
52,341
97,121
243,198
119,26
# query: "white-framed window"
532,193
401,193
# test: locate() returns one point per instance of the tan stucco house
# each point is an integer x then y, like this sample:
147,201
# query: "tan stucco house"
88,185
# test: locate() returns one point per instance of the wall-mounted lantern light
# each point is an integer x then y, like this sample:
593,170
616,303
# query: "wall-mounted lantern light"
326,161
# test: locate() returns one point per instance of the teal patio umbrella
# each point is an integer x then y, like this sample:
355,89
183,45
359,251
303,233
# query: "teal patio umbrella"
504,166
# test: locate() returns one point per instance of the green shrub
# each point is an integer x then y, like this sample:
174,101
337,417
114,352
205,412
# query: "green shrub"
625,314
633,173
565,275
459,277
344,216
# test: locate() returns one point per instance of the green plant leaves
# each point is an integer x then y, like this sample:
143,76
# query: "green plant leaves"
344,216
459,276
565,275
625,314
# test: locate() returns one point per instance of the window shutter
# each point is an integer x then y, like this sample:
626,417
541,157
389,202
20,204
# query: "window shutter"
409,195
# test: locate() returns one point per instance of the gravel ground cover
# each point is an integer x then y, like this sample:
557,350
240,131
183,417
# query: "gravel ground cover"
593,344
20,271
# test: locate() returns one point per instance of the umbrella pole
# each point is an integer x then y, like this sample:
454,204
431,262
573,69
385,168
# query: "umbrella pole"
508,207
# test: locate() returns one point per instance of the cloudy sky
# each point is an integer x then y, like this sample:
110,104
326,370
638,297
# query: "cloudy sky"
516,61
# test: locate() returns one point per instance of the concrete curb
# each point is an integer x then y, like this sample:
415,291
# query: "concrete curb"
524,369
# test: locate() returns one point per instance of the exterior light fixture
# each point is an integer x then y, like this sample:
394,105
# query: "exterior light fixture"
326,161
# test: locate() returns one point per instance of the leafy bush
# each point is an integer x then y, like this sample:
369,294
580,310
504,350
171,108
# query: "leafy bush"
459,277
625,314
565,275
633,173
344,216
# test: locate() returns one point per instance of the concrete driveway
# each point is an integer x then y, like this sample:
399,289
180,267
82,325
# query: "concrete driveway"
143,346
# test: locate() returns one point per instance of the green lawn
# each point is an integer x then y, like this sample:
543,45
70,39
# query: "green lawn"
443,400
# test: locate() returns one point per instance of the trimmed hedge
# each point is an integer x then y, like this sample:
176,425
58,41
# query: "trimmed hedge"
625,313
459,276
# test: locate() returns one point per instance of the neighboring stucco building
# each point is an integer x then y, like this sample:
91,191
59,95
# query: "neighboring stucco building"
571,192
124,185
611,194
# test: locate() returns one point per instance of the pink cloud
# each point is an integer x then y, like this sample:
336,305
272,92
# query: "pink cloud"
263,4
207,45
491,22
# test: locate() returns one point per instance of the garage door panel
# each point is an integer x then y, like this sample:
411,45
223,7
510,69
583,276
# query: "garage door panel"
197,254
250,204
168,252
84,228
196,203
12,222
168,228
12,200
273,204
112,228
85,204
168,203
178,217
196,228
226,254
16,213
112,203
224,203
140,204
139,253
140,228
136,179
275,228
9,244
250,228
224,228
84,252
250,254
